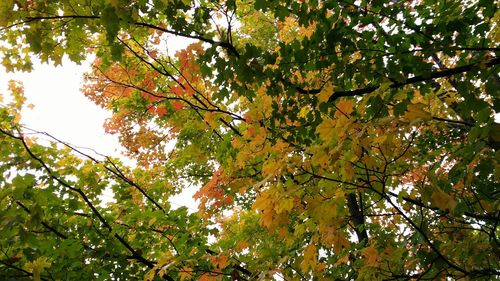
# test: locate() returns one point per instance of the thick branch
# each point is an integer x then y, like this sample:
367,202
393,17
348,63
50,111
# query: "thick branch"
413,80
357,218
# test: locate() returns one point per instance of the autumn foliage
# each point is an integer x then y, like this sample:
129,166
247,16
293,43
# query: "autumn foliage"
332,140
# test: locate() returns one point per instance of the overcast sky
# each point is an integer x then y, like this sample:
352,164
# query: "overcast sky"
60,108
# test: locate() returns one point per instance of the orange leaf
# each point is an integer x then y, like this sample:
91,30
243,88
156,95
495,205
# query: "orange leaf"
161,111
220,261
242,245
371,256
344,107
177,105
177,90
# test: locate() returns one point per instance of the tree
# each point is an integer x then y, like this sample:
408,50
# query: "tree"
329,139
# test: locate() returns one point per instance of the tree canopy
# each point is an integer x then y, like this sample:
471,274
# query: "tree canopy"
327,139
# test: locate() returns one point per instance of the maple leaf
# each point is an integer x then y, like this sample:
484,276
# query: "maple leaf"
344,107
242,245
209,117
271,167
209,277
262,202
443,200
371,256
284,205
161,111
37,266
185,273
310,258
177,105
326,92
348,171
326,129
267,218
177,90
220,261
417,112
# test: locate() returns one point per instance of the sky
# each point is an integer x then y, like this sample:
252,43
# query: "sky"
61,110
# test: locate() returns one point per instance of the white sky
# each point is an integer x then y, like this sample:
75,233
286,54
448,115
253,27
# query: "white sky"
60,108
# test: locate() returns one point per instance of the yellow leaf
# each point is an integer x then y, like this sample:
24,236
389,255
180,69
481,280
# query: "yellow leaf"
262,202
334,238
326,92
152,221
281,145
270,167
356,56
37,266
310,258
303,111
209,117
348,171
165,259
185,273
357,148
207,276
443,201
320,157
371,256
326,129
342,260
267,217
237,143
416,112
284,205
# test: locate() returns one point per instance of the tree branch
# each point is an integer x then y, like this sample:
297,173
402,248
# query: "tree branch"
413,80
225,45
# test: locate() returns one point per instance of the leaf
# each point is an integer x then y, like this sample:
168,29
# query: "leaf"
371,256
310,258
344,107
242,245
37,267
284,205
416,112
185,273
150,275
177,105
220,261
111,22
443,200
326,129
348,171
326,92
